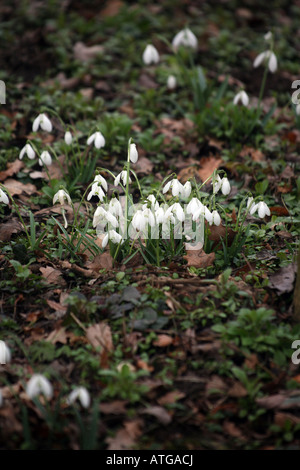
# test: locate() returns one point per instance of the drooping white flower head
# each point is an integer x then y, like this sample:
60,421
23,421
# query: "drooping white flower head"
168,216
178,211
133,153
96,191
171,82
268,36
39,384
242,97
149,217
43,122
262,209
45,158
28,150
115,208
250,202
3,197
269,57
5,355
103,216
215,218
187,189
122,176
194,205
298,109
159,215
98,139
150,55
112,235
204,212
185,38
225,188
68,138
217,183
61,196
152,200
81,394
177,187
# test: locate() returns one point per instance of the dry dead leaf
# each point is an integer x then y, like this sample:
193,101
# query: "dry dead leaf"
12,169
237,390
16,187
116,407
59,335
9,228
255,154
170,398
99,334
144,166
163,341
280,419
160,413
52,275
60,309
215,384
84,53
208,165
283,280
273,401
230,428
199,259
126,437
102,261
112,8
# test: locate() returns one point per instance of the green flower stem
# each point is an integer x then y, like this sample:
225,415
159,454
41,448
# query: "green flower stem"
127,190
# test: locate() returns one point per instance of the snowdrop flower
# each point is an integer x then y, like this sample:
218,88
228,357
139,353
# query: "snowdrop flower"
102,181
29,152
217,183
269,57
138,220
187,189
133,153
5,355
150,55
178,211
148,217
159,215
177,187
250,202
39,384
268,36
101,215
113,236
168,216
61,196
205,212
215,218
298,109
122,176
45,158
96,191
98,140
42,121
194,205
3,197
68,138
225,187
241,96
152,200
262,209
171,82
82,394
115,208
185,38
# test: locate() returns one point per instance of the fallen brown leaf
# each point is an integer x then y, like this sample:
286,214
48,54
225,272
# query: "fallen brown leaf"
215,385
52,275
144,166
281,419
158,412
99,334
255,154
170,398
102,261
283,279
163,341
208,165
116,407
84,53
12,169
9,228
230,428
199,259
59,335
126,437
16,187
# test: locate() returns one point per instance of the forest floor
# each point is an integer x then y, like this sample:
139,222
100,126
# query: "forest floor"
177,348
